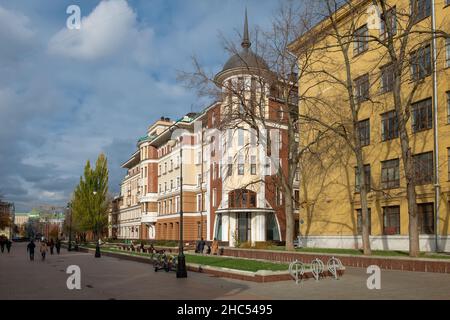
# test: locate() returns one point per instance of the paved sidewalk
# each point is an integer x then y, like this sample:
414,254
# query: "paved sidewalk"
112,278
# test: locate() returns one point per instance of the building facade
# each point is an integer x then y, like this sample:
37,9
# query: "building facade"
7,216
226,175
331,206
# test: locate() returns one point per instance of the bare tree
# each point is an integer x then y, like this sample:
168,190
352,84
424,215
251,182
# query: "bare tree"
269,101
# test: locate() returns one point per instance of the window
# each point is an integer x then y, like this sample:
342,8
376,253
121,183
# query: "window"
171,184
426,218
242,198
170,206
296,199
241,165
230,167
362,87
421,63
367,178
165,186
391,220
159,188
171,165
165,167
159,170
359,220
178,182
214,197
448,162
390,19
253,137
364,132
387,78
389,126
177,204
448,106
253,165
360,40
240,137
423,168
422,115
447,51
390,174
199,202
420,9
297,175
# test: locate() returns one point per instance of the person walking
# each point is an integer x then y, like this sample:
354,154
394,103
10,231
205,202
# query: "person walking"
58,246
8,245
215,247
51,245
30,249
202,245
2,243
43,249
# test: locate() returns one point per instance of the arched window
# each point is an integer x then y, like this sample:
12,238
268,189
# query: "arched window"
242,198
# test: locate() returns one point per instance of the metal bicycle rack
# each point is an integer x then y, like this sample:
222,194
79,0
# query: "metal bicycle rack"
297,270
333,266
317,268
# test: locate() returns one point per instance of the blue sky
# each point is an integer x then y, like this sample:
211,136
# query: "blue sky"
66,96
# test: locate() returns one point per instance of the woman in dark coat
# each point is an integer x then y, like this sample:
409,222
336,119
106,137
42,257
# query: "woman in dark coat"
30,249
58,246
51,244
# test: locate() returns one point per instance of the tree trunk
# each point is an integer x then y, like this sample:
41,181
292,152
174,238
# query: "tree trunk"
289,221
413,225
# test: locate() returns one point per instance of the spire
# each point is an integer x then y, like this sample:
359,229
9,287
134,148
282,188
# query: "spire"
246,39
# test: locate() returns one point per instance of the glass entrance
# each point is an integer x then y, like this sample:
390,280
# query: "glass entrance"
244,227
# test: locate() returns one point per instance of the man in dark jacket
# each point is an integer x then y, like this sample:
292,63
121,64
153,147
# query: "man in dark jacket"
58,246
8,245
2,243
30,249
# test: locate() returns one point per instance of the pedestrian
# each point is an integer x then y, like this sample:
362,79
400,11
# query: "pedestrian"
58,246
8,245
2,243
51,245
215,247
201,246
152,248
43,249
30,249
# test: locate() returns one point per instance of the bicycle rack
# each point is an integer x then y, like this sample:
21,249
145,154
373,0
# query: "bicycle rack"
317,268
297,270
333,266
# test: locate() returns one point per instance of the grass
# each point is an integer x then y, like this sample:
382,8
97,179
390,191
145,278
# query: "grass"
355,252
238,264
215,261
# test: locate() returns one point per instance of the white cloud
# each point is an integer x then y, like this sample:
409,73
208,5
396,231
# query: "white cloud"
15,33
110,28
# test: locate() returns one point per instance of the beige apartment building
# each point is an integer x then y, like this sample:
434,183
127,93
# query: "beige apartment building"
228,184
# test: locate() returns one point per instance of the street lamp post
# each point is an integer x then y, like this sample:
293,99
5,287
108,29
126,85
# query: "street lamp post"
70,227
181,266
97,246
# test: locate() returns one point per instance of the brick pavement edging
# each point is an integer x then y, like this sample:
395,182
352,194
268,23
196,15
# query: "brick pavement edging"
259,276
392,263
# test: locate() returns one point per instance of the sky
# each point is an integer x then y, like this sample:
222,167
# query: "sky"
68,95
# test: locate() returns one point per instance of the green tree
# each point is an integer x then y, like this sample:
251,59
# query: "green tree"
90,201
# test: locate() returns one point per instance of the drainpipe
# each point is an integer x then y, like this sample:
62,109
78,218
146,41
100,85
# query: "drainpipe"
437,186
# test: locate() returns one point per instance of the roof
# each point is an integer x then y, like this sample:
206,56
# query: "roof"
245,59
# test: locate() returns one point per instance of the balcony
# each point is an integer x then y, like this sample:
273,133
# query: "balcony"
149,217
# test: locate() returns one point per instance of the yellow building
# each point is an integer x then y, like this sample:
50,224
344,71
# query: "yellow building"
329,186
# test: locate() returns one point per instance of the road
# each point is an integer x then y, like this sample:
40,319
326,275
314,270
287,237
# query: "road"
108,278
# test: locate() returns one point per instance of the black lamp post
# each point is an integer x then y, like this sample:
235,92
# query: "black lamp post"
181,266
69,205
97,246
